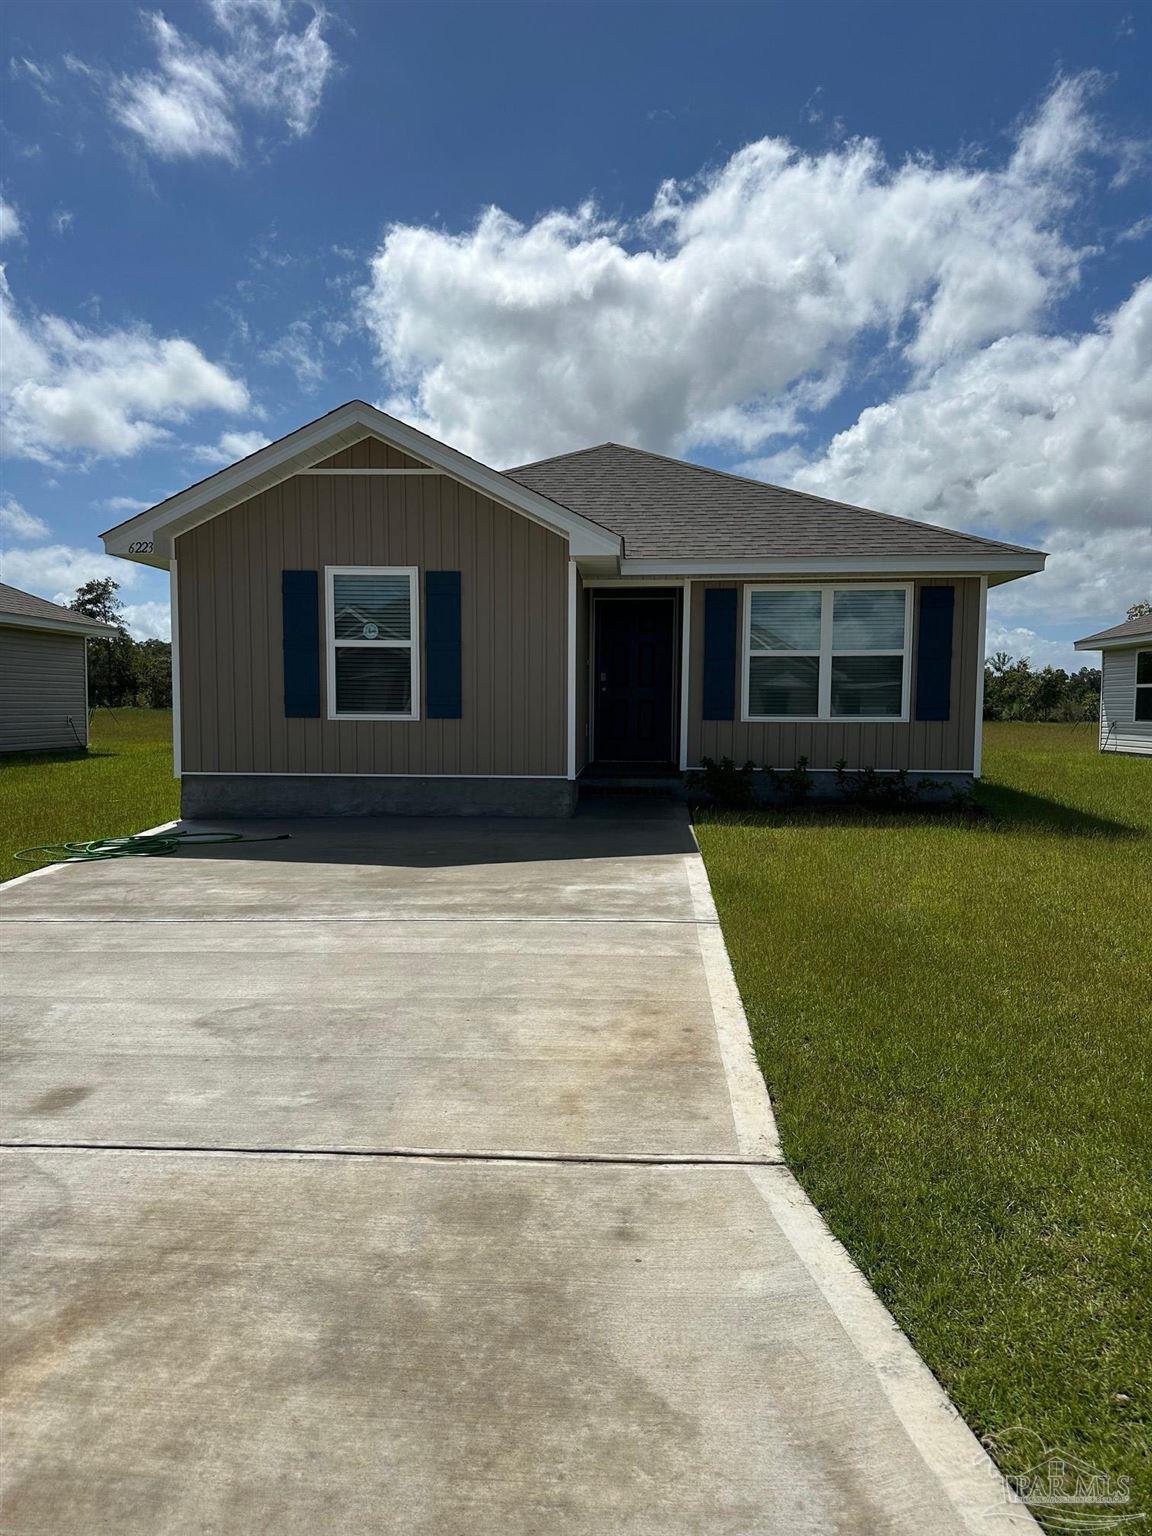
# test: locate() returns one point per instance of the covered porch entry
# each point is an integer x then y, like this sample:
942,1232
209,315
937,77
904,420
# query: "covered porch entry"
635,681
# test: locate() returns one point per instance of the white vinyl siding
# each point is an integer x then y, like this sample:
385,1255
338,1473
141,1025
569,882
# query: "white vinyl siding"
43,695
1120,731
372,630
835,653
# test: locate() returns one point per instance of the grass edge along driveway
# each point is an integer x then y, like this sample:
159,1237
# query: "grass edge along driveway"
953,1019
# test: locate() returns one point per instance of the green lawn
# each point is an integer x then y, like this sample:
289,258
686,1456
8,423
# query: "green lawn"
122,785
954,1021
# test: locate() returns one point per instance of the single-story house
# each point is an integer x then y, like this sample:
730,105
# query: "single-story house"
43,673
367,620
1125,685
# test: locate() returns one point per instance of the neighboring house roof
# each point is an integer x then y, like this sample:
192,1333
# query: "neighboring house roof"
1119,634
21,610
668,509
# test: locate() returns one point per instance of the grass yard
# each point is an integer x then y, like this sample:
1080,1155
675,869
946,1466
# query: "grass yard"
122,785
954,1019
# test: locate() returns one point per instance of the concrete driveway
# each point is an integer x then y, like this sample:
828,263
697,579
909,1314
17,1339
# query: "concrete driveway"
416,1176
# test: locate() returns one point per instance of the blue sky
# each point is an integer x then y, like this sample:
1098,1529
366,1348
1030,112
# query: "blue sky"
897,254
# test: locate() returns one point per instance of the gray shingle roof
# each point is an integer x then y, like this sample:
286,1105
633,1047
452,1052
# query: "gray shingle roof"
15,605
666,509
1130,629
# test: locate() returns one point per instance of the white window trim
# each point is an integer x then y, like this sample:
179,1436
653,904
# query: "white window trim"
330,642
1137,685
824,715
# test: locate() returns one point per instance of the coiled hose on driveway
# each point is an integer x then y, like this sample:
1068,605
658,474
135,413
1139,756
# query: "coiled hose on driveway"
146,845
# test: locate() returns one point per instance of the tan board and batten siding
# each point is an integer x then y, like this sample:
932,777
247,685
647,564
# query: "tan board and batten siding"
945,745
43,697
514,626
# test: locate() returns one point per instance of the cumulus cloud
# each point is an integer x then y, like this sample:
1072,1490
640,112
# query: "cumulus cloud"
1031,430
147,621
192,102
68,390
129,504
51,569
229,447
18,524
734,302
10,226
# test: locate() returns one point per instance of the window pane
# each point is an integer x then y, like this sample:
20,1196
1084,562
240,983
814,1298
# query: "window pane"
1143,709
785,621
868,621
783,685
866,685
372,607
1144,666
373,680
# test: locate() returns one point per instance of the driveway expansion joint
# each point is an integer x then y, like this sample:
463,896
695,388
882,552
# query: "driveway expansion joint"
415,1154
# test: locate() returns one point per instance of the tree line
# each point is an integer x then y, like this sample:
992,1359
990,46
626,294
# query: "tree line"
1014,691
122,672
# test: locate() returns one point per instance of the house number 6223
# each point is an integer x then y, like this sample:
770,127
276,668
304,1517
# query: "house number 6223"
141,547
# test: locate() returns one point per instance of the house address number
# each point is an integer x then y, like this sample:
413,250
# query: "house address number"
141,547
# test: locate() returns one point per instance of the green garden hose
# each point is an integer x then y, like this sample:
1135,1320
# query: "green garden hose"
148,845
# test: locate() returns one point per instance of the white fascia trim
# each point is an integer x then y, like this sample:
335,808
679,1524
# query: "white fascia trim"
159,525
873,565
57,627
174,609
982,644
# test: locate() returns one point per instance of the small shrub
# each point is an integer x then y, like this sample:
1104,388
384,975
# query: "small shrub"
723,784
795,784
887,791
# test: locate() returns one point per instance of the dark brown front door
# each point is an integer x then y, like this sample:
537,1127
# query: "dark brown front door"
634,677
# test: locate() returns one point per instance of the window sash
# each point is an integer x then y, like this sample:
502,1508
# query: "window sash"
333,643
827,652
1143,695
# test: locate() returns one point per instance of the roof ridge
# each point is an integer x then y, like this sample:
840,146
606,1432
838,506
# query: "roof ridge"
572,453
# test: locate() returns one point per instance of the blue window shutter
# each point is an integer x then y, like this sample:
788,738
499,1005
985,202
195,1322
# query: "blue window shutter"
934,653
300,598
720,653
442,685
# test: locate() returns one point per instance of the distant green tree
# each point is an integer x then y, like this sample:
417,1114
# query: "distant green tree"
1013,691
1140,610
122,671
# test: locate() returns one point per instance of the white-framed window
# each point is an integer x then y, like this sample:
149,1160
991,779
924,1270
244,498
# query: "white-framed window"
827,652
1142,704
373,631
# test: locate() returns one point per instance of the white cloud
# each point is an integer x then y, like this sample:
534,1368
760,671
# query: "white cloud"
1021,642
1029,432
18,523
190,104
51,569
71,390
230,446
700,322
128,504
301,350
148,621
10,226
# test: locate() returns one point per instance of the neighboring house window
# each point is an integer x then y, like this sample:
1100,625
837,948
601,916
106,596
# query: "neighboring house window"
1143,710
827,653
372,651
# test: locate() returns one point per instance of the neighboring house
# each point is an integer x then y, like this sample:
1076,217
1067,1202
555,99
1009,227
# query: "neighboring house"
366,620
1125,685
43,673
